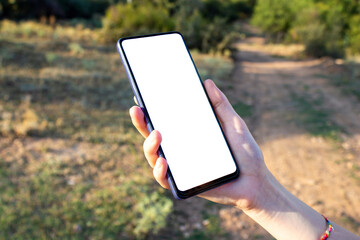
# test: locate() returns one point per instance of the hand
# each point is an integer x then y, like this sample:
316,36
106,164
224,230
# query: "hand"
242,192
256,191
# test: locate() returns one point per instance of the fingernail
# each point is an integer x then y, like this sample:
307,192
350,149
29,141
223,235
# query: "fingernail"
130,110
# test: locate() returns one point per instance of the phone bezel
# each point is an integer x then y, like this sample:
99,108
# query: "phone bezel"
176,192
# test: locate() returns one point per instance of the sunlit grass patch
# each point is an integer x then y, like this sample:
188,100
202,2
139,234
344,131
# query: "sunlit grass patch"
348,80
276,50
313,118
243,109
32,29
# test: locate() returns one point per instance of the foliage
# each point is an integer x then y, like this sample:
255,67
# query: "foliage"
20,9
327,28
133,19
353,34
231,10
190,22
203,35
273,17
321,30
205,24
208,25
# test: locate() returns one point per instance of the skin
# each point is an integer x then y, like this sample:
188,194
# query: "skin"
256,191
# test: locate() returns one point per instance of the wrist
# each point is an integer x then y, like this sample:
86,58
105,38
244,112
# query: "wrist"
267,196
283,215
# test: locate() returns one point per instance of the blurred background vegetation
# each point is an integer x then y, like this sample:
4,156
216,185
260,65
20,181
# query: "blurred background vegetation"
326,27
71,165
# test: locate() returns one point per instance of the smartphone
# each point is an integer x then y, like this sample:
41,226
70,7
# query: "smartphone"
168,88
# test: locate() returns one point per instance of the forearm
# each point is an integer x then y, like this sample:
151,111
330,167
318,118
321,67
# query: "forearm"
286,217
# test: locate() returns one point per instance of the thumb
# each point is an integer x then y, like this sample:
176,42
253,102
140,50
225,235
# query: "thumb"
220,103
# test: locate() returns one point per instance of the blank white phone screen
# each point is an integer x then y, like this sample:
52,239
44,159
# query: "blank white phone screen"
192,141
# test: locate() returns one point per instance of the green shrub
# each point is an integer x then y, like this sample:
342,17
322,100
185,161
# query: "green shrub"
200,30
231,10
204,26
190,22
310,30
132,19
58,8
205,29
215,32
206,36
326,28
353,34
273,17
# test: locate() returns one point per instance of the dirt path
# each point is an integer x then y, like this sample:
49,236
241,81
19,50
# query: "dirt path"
322,172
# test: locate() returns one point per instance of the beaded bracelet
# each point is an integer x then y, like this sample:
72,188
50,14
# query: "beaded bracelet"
330,228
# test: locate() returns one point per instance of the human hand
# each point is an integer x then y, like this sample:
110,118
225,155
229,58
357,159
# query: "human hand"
243,192
256,191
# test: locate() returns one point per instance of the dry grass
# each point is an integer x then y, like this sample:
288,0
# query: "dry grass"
278,50
71,164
